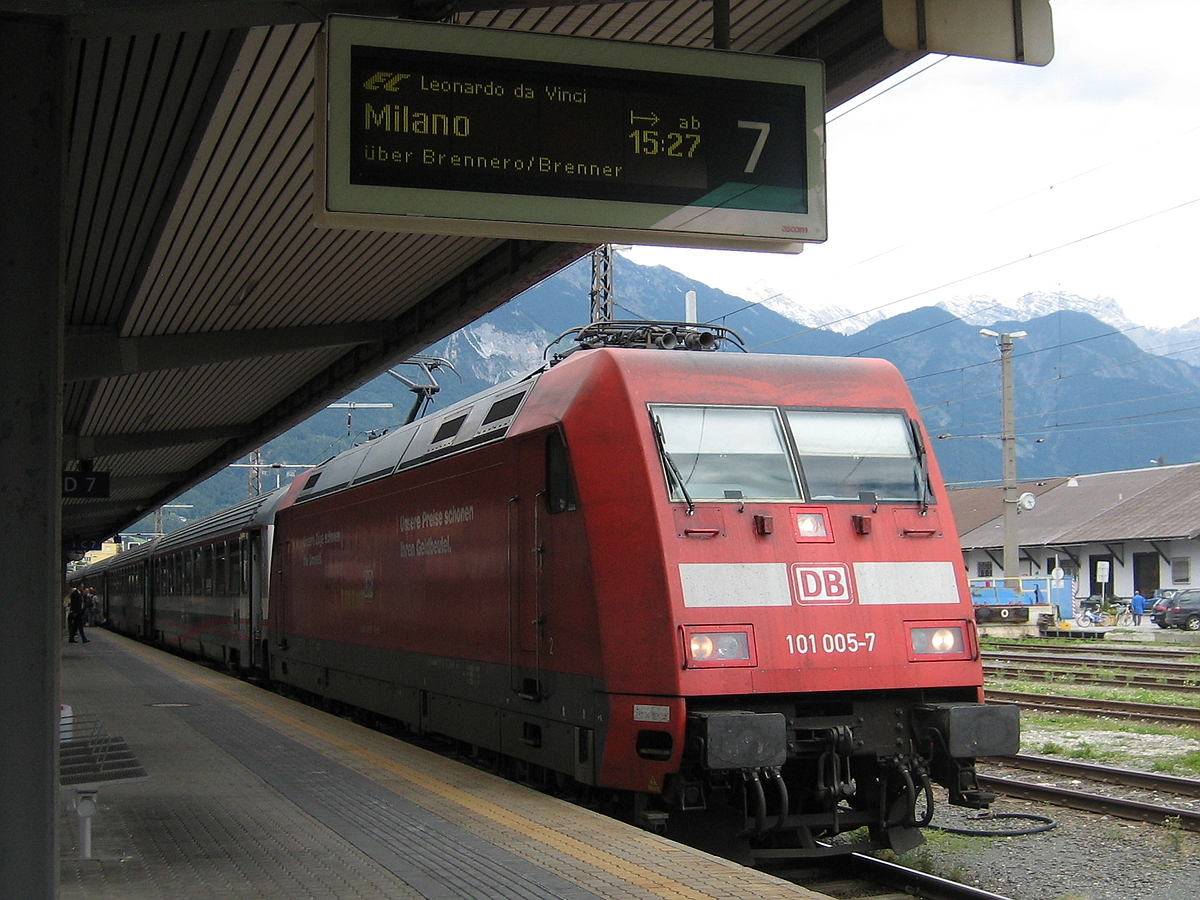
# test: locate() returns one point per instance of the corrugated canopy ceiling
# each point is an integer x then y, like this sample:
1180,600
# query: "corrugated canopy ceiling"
206,312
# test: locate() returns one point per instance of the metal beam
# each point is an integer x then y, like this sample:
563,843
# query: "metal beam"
1159,550
856,54
1066,551
493,279
120,483
101,18
97,446
93,355
98,510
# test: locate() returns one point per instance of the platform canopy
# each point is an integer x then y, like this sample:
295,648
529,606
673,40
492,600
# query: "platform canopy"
206,311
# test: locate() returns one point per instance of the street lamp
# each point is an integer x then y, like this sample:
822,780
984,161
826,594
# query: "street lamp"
1008,446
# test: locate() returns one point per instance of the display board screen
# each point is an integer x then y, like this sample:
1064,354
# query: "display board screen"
471,131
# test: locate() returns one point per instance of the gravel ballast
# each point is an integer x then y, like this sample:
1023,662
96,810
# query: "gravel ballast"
1085,856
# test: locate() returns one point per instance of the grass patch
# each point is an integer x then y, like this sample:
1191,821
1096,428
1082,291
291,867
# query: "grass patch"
1065,685
1135,745
1089,752
1184,765
1075,722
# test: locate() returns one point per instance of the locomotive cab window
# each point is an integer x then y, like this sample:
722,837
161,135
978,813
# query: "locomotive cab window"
844,453
718,452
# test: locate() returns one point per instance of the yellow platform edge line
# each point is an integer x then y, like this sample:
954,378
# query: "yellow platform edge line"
636,875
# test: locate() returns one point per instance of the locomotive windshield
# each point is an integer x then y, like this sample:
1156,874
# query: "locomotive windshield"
846,453
720,452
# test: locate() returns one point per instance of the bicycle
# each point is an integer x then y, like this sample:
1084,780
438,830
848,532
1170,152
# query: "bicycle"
1093,614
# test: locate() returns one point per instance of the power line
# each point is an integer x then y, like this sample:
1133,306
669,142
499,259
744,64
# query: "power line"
993,269
1082,174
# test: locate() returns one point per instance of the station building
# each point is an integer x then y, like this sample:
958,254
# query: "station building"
1108,533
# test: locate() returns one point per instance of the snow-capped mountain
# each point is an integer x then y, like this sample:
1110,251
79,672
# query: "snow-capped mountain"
832,318
1182,342
980,309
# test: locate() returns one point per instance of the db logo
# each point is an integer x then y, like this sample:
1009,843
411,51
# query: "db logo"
829,583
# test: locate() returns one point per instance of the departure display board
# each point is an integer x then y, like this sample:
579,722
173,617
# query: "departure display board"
459,130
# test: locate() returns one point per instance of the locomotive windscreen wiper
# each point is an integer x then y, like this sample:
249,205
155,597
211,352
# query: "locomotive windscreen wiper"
673,472
922,464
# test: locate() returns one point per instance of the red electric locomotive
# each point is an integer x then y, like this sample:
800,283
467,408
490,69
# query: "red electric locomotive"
725,587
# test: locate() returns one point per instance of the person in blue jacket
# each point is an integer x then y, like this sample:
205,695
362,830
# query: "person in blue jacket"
1137,606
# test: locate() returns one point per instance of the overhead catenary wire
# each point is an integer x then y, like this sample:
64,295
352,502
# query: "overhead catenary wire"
1004,265
1114,161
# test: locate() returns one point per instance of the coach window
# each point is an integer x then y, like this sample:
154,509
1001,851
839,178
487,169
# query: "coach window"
206,569
560,493
724,452
844,453
220,569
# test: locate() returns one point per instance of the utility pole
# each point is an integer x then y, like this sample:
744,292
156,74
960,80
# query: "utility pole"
1008,445
158,515
255,470
603,296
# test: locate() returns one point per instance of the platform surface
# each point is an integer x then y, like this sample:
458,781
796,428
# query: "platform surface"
251,795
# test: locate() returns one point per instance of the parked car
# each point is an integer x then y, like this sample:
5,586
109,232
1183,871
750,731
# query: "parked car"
1156,605
1184,611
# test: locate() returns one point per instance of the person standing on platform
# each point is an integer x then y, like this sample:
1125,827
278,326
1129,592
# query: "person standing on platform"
92,604
1137,606
76,611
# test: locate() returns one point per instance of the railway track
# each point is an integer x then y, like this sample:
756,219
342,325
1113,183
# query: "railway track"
1150,651
1169,803
861,876
1171,667
1112,709
1155,668
1182,684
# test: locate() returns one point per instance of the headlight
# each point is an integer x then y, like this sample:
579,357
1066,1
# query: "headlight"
941,640
812,526
719,648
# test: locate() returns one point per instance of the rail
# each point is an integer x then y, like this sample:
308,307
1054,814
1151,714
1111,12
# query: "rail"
1134,810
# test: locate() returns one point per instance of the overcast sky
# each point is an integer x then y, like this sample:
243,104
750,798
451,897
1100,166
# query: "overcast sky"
989,178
